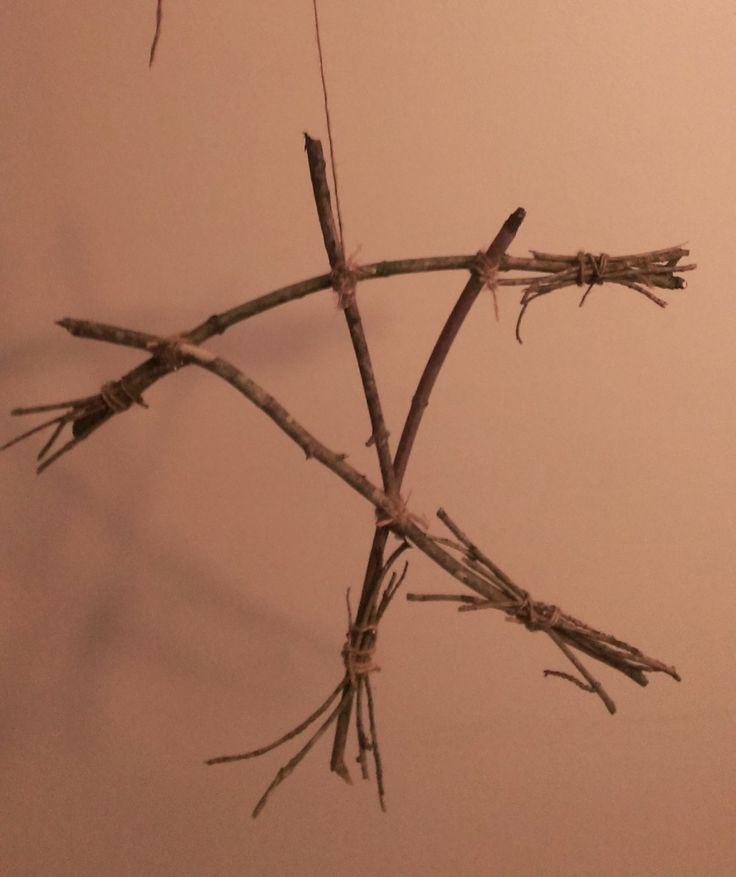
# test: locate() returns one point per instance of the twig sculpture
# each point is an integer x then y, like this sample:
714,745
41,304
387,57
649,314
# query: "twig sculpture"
457,554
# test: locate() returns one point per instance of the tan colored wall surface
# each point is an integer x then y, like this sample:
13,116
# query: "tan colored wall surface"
174,589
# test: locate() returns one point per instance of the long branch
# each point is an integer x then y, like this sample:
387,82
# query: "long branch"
449,332
344,282
218,323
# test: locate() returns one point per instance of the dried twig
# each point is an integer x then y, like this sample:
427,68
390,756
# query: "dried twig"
290,735
344,284
292,763
157,32
447,336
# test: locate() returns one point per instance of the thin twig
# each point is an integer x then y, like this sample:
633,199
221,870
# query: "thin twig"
594,684
391,589
294,732
219,323
569,677
445,598
449,332
292,763
41,426
344,283
374,745
473,551
157,34
364,743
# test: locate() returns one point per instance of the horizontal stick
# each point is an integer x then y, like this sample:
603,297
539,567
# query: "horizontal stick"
218,323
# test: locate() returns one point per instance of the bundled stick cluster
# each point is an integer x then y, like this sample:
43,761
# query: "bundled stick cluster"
353,696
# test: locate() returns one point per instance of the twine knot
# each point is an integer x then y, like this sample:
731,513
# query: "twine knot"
358,651
594,267
399,516
343,282
119,397
535,616
486,270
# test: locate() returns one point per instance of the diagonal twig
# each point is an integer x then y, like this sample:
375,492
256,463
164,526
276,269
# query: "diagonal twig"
344,283
290,735
449,332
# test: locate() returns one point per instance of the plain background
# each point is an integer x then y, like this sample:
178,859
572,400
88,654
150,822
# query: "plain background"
174,589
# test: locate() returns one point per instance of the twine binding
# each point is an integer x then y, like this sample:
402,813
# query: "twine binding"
597,269
118,397
358,659
486,270
535,616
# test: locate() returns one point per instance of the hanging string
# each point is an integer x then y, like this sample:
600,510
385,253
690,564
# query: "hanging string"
329,124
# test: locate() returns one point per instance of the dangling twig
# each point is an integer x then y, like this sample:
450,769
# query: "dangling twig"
290,765
157,32
294,732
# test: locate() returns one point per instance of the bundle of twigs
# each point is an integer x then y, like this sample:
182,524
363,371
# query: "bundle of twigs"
461,558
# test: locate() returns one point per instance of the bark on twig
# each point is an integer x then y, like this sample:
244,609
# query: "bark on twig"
344,284
447,336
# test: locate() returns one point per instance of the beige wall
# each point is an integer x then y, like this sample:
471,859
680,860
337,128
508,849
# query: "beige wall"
174,589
